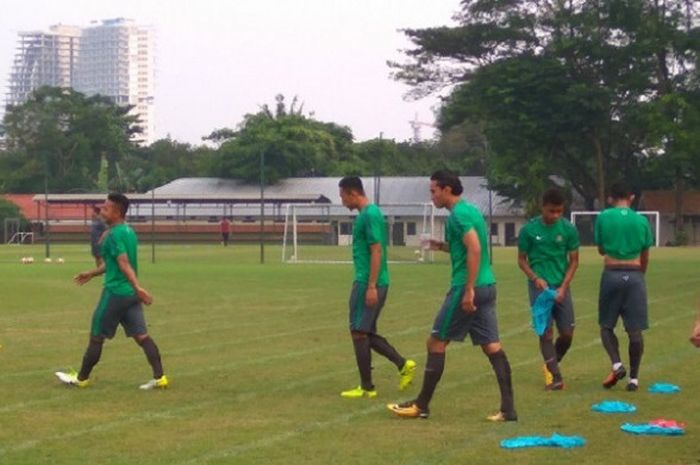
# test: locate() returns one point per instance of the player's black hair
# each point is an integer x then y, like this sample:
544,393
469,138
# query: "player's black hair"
445,178
620,191
121,200
352,183
554,197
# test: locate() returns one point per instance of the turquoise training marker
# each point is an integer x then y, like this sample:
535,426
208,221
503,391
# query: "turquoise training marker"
614,406
647,429
664,388
555,440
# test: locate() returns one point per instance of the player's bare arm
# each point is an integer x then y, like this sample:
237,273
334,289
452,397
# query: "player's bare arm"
86,276
471,242
375,261
143,295
524,265
644,260
569,276
695,335
439,245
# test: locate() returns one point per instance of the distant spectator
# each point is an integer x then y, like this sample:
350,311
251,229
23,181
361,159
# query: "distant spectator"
225,226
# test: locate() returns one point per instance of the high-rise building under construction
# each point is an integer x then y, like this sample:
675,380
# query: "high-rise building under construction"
115,58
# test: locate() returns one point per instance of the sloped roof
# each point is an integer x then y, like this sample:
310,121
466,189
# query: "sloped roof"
29,208
393,190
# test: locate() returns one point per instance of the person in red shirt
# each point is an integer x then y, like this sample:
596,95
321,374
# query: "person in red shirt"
225,227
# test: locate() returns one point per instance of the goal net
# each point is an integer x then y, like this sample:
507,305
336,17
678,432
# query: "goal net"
13,233
322,233
584,222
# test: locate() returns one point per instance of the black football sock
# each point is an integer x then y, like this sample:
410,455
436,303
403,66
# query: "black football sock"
433,372
91,357
501,367
636,350
382,347
153,355
611,344
363,356
562,345
549,355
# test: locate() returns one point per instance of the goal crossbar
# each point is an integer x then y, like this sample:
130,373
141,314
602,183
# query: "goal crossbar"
332,215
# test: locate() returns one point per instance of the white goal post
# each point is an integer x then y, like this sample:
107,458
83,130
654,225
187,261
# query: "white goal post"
322,233
653,216
22,238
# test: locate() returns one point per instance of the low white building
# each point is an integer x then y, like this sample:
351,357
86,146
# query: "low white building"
404,200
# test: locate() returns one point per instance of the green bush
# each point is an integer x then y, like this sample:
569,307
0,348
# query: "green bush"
681,238
10,210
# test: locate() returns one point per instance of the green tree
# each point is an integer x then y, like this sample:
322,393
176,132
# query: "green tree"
536,124
163,161
464,147
10,210
390,158
566,86
293,145
63,135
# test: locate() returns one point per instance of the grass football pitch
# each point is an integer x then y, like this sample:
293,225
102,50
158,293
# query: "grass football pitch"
257,356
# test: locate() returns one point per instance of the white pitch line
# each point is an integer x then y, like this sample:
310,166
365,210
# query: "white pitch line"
521,329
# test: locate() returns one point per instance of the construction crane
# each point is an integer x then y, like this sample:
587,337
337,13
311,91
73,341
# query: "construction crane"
416,125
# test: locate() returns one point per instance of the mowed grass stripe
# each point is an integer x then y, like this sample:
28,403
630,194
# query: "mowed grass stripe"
232,343
127,419
136,356
258,400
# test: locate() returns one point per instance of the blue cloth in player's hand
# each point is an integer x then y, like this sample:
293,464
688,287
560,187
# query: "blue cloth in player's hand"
542,310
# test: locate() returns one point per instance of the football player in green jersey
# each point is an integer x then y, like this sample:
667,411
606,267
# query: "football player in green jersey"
548,255
470,305
623,237
121,299
369,290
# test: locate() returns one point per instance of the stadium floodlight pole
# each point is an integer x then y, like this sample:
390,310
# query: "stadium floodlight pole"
378,171
262,207
153,225
490,222
488,186
47,231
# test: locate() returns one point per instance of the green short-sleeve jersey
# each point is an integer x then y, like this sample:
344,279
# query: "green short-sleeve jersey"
548,246
118,240
369,228
622,233
463,218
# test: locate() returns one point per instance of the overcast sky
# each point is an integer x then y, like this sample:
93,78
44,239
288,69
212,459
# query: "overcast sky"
220,59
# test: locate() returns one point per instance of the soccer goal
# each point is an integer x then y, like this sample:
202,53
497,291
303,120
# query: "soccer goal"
584,222
14,233
322,233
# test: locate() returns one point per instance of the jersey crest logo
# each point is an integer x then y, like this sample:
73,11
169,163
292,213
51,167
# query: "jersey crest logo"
538,237
559,238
